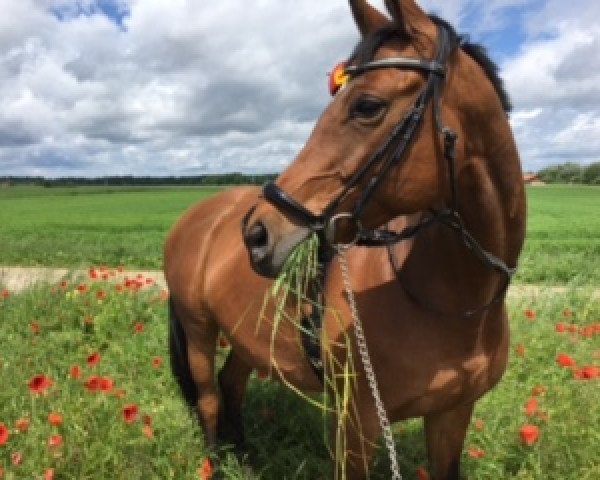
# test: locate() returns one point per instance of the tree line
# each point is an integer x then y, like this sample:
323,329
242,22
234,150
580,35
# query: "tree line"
130,180
571,173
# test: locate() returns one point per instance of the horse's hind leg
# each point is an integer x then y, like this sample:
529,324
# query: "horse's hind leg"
233,378
445,435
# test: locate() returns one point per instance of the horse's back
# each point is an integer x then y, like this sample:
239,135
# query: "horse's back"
192,239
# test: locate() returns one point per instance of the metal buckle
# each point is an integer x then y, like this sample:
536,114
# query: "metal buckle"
330,230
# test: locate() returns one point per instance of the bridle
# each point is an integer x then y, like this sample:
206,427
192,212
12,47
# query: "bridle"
392,152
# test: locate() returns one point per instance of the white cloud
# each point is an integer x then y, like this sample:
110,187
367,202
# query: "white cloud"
186,87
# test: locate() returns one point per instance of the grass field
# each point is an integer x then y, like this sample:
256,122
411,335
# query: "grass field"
123,417
83,226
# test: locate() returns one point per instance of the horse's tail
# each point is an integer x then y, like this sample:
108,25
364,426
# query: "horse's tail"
180,365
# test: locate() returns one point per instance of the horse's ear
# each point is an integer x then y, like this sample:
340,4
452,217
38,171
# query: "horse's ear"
367,18
408,15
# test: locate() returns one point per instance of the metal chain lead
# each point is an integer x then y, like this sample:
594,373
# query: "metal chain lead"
368,366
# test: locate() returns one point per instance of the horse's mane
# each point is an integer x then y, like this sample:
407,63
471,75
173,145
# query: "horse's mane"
367,48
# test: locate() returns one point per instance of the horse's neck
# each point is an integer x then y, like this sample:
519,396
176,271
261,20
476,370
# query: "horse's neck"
442,269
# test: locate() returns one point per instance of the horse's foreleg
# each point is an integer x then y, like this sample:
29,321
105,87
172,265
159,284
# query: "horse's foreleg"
201,356
233,378
445,435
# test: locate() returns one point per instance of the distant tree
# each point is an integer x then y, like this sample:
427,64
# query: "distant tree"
591,174
566,173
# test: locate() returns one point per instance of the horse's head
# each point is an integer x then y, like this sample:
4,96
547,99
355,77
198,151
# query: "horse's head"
385,145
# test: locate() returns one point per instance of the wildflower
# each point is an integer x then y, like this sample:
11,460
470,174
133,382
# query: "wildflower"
476,452
22,424
530,314
93,383
423,474
55,418
4,434
139,327
75,372
106,384
35,328
157,362
479,425
148,431
16,458
101,295
529,434
39,384
49,474
94,359
587,373
531,407
82,288
64,284
55,441
560,327
147,419
93,274
520,350
565,360
567,313
5,294
130,413
206,471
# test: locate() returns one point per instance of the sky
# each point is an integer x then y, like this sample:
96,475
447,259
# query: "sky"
192,87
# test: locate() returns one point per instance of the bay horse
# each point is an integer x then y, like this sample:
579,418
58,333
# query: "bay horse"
419,132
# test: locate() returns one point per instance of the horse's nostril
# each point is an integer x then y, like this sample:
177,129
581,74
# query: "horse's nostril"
257,236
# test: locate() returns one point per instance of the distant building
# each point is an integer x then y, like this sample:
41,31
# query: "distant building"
532,179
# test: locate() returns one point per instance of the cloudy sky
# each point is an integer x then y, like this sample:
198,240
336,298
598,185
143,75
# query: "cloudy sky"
186,87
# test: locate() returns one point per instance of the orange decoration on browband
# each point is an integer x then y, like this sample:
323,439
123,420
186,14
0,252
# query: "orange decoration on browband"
338,78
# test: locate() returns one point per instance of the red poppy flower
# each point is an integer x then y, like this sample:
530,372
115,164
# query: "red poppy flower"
22,424
531,407
39,384
101,295
5,294
476,452
149,281
148,431
93,383
55,418
93,274
567,313
120,269
4,434
530,314
75,372
520,350
529,434
64,284
147,419
16,458
130,413
49,474
423,474
55,441
82,288
479,425
1,472
588,332
105,276
157,362
560,327
565,360
106,384
587,373
206,471
94,359
139,327
35,328
119,288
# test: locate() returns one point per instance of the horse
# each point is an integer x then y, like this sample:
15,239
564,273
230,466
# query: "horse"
419,132
420,129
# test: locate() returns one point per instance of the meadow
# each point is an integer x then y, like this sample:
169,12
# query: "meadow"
86,391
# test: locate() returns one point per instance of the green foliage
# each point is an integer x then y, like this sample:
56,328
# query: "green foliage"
571,173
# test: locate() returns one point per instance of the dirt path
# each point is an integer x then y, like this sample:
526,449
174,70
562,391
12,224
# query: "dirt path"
16,279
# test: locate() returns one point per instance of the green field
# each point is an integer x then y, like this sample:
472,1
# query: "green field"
78,227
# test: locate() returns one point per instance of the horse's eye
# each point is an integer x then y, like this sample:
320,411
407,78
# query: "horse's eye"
368,109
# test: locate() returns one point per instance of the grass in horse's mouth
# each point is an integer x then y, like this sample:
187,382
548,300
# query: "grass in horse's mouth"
292,296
